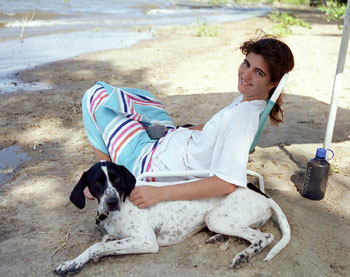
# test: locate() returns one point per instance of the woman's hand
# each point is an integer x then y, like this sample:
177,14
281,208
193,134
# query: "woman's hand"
145,196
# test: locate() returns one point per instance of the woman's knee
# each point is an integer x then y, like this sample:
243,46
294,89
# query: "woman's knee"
101,156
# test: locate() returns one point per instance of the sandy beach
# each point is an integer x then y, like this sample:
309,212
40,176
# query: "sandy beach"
194,77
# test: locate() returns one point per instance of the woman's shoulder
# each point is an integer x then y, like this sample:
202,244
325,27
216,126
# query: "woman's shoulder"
248,113
252,106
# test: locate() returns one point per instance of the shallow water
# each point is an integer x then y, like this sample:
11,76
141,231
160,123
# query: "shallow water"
10,159
35,32
38,50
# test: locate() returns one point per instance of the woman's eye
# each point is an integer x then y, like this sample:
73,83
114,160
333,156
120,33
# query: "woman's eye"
260,73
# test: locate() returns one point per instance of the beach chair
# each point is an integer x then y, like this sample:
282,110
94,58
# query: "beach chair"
205,173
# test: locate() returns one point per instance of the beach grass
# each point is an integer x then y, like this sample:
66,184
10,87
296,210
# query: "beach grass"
204,30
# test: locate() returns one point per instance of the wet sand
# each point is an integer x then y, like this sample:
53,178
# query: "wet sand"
194,77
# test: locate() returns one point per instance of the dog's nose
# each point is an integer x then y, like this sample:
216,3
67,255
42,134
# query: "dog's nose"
113,203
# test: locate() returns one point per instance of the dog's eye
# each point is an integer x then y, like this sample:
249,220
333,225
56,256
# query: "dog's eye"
115,179
98,187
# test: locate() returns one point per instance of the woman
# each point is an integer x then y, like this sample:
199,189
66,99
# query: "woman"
221,145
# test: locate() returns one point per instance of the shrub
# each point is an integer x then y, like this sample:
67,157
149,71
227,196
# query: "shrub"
284,21
334,11
203,30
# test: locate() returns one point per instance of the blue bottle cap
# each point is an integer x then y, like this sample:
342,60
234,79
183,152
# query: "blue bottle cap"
321,153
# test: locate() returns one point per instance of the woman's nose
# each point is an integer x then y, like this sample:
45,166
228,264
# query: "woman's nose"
247,74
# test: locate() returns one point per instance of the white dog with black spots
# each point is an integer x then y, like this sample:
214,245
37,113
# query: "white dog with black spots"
132,230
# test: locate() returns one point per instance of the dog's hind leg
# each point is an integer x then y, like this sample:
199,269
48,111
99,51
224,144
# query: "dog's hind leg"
216,238
225,221
108,238
258,240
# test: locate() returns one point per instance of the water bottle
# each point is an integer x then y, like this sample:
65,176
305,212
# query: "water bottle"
316,176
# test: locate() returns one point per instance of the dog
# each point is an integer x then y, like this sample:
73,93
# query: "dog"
131,230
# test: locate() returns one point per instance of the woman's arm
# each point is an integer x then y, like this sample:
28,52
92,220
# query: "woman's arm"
145,196
197,127
100,156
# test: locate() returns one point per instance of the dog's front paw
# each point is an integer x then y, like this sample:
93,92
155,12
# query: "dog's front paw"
217,238
69,267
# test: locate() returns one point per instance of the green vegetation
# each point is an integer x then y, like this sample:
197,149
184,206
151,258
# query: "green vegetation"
334,169
334,11
284,21
217,2
203,30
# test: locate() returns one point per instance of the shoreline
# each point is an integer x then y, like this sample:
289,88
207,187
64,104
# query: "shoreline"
64,34
9,82
194,77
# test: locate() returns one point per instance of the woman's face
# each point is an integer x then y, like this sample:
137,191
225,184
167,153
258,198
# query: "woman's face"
254,78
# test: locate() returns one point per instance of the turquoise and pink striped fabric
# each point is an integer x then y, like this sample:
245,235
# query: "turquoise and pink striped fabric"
115,121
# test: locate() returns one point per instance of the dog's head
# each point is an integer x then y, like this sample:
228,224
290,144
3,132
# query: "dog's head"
108,183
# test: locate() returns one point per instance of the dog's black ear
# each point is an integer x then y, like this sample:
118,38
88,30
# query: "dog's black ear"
77,196
129,181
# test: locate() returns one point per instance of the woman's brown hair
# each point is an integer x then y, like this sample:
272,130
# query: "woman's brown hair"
279,59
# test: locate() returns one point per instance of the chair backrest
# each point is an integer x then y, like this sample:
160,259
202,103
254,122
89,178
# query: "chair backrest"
265,114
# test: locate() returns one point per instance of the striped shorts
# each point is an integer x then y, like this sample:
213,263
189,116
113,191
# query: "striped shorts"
115,121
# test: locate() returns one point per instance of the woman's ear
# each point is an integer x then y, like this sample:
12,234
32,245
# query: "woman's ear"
272,85
77,196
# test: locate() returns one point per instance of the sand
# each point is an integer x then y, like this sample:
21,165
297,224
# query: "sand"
194,77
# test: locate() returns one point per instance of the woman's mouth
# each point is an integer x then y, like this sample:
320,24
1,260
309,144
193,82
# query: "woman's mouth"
244,82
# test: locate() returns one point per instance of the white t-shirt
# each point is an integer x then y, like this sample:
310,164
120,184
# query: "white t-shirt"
222,147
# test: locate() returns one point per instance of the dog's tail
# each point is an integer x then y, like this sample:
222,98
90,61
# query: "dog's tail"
285,229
